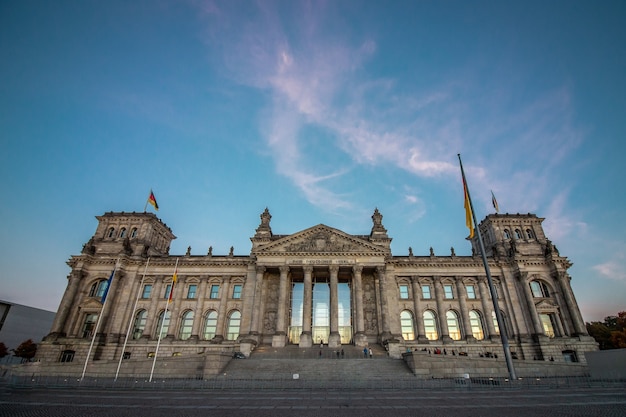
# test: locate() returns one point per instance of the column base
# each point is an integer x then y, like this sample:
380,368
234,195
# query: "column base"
334,340
279,340
306,340
360,339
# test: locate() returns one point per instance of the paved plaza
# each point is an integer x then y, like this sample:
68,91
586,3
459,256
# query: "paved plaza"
596,401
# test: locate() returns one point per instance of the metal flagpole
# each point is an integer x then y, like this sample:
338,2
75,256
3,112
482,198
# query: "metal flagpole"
95,332
132,316
156,352
492,290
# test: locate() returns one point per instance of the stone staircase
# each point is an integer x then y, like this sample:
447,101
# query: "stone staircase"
292,366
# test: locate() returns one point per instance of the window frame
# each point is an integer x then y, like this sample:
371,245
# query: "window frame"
404,291
426,292
237,290
214,292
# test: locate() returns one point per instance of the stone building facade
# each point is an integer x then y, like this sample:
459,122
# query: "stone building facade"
319,285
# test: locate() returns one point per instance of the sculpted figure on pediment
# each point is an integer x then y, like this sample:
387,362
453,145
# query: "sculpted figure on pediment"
321,241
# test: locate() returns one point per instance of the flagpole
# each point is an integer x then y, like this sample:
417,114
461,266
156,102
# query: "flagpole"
132,316
156,352
492,290
95,332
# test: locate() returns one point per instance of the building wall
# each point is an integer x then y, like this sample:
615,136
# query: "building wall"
19,323
528,273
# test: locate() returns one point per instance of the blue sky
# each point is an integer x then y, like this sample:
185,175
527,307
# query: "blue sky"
321,111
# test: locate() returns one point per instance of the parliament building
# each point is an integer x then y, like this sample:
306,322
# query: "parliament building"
315,286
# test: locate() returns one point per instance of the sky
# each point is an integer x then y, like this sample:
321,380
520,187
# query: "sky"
321,111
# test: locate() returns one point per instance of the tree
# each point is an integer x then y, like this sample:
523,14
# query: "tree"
610,334
3,350
26,350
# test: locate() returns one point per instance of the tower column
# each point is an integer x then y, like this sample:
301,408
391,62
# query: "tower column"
572,307
305,336
279,339
256,306
334,340
532,310
60,320
441,312
384,303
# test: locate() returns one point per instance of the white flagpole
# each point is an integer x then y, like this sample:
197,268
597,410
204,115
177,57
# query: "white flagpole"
492,290
95,331
156,352
132,318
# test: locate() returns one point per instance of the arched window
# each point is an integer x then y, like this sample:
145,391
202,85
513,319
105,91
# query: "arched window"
97,288
133,233
518,234
186,324
140,323
234,320
406,323
507,234
476,325
111,233
162,325
210,325
539,289
529,234
454,330
430,325
123,232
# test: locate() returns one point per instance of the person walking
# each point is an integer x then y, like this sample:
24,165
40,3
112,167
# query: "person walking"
365,352
370,351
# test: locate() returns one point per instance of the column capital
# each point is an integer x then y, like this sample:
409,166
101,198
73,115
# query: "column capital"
307,269
260,269
357,269
284,269
334,269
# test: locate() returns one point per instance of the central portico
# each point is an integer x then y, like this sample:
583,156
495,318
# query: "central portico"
320,285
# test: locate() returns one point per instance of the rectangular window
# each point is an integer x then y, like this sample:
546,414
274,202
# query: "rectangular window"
168,288
215,291
447,292
147,290
237,291
404,292
191,291
426,292
471,293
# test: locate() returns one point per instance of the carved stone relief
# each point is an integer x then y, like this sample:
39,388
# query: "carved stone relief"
369,305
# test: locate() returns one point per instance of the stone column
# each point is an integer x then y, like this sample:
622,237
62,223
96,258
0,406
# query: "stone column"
572,306
487,308
532,310
60,320
334,340
419,321
467,327
441,310
306,336
221,314
280,338
256,305
359,315
384,307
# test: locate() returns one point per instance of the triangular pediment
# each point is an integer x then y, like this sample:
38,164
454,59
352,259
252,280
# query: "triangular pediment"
546,304
320,239
91,303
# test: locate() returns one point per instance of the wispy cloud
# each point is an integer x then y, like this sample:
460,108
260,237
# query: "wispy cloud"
315,80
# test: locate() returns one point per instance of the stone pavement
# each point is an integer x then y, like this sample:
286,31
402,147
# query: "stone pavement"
581,401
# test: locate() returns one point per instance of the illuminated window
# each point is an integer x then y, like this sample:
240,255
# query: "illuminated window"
548,323
210,325
89,325
139,324
186,325
406,322
476,325
233,325
430,325
454,331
